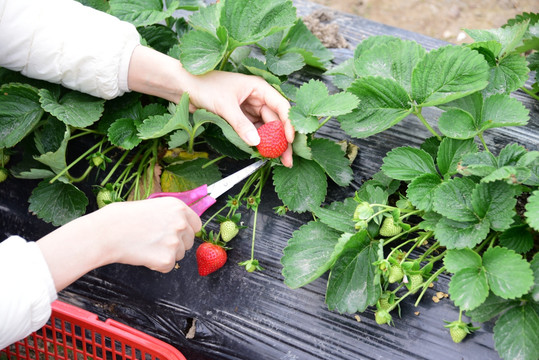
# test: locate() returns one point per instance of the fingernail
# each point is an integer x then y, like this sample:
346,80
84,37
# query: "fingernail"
252,137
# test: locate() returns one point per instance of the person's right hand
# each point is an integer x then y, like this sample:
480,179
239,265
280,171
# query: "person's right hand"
154,233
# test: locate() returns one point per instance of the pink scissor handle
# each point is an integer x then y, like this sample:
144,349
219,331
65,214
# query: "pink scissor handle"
197,198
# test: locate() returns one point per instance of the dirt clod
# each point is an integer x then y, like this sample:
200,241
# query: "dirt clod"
320,24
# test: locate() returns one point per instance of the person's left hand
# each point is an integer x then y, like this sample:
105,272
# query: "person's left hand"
246,102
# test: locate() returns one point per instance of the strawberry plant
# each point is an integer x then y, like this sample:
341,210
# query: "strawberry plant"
453,205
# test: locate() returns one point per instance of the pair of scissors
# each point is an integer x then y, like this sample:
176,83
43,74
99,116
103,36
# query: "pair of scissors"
202,197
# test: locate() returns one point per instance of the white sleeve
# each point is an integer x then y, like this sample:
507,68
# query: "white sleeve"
27,290
64,42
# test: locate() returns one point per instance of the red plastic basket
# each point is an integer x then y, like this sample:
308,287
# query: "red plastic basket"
74,333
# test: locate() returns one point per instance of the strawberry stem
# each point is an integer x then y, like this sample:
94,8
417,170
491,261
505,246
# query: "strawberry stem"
417,112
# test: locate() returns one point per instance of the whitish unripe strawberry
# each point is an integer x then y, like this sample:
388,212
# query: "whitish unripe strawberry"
104,197
229,230
415,281
395,274
389,228
382,317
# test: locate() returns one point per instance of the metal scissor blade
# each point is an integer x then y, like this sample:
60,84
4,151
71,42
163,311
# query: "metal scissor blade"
220,187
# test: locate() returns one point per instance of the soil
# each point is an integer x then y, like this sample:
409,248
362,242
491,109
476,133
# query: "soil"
441,19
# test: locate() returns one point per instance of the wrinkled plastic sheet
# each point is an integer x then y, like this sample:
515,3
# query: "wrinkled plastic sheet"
233,314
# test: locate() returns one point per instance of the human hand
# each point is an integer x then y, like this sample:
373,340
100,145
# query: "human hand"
154,233
245,101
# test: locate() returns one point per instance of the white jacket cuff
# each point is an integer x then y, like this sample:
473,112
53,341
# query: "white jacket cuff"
27,290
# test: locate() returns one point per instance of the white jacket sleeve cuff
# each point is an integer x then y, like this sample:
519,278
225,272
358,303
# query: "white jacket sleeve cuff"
62,41
27,290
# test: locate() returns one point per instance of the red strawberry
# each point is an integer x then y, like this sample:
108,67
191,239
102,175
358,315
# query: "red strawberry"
272,140
210,257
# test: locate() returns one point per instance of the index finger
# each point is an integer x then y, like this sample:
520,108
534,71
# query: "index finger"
278,103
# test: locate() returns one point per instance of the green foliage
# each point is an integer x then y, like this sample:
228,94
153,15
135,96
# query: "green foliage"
469,200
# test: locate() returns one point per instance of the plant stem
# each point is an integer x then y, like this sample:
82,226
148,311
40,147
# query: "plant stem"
420,117
83,176
66,169
412,229
529,92
111,172
213,161
323,123
426,284
480,136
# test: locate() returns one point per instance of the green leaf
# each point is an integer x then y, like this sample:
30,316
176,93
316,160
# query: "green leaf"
189,175
450,154
458,124
202,116
383,103
457,235
354,282
159,37
511,175
258,68
57,203
479,164
250,21
532,210
160,125
501,110
202,51
430,220
431,146
491,307
216,139
338,215
74,108
302,187
517,238
508,75
421,191
453,199
448,73
311,251
516,333
20,111
207,18
456,260
332,159
508,37
496,202
395,60
300,146
407,163
123,133
468,288
142,12
509,275
299,39
342,75
313,102
284,64
53,155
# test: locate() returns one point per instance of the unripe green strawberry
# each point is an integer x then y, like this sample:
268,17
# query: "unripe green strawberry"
457,333
273,141
210,258
395,274
389,228
229,230
384,303
4,173
104,197
382,317
415,281
97,160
